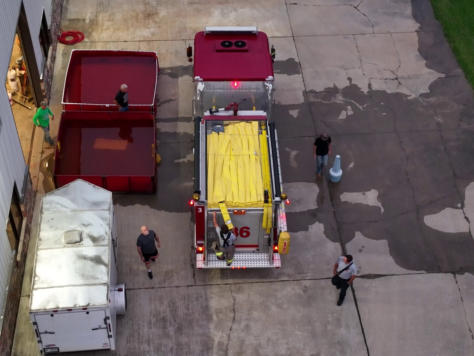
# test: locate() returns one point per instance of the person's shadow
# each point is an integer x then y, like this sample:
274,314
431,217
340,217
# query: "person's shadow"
125,133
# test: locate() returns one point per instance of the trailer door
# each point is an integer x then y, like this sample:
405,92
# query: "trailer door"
74,331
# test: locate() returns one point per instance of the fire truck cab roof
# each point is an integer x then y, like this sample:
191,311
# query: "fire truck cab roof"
232,53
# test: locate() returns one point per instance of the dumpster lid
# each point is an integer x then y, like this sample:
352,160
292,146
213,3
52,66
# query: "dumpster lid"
73,250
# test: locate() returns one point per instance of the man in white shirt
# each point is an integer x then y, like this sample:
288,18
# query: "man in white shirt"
345,271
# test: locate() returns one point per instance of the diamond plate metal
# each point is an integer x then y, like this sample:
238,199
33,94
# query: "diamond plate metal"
242,260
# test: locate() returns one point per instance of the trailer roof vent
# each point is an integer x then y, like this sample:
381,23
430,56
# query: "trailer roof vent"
71,237
226,44
240,44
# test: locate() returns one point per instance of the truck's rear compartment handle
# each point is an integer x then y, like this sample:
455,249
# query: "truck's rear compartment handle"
100,328
47,332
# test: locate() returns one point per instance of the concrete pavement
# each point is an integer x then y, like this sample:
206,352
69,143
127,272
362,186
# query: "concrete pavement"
379,77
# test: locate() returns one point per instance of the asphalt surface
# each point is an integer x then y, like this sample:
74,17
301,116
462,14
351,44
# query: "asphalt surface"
380,78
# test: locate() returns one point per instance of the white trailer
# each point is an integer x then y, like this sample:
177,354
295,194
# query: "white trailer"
75,297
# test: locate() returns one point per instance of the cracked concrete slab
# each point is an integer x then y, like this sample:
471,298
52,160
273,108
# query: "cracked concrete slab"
413,315
173,264
469,205
452,220
373,256
389,62
285,313
176,126
302,195
327,63
173,20
465,283
447,220
221,320
389,16
316,254
289,87
378,55
310,20
369,198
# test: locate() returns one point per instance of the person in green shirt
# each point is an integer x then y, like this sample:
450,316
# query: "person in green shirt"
41,119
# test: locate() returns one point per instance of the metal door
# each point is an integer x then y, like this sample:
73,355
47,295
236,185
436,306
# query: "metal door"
74,331
247,228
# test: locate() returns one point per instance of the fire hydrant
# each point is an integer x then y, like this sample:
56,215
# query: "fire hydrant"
335,173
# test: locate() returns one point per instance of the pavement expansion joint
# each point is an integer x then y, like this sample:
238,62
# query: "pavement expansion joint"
463,307
229,283
360,320
356,7
233,321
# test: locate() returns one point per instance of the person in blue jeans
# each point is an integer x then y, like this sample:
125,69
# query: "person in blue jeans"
321,150
41,119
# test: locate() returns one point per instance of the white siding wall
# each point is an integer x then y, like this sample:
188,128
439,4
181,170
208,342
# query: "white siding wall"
12,164
34,13
10,10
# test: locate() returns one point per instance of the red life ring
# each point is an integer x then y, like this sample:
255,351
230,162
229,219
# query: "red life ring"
70,37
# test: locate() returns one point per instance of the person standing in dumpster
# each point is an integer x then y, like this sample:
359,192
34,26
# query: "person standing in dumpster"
121,98
345,271
147,247
227,242
321,150
41,119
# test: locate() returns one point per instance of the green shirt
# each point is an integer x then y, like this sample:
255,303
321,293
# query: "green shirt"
41,117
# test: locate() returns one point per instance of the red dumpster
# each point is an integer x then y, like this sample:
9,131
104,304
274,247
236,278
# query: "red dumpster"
97,143
109,149
94,77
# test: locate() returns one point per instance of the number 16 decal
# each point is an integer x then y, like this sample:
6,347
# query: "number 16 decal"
243,232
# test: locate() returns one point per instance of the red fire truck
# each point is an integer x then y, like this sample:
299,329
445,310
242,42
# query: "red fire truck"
237,166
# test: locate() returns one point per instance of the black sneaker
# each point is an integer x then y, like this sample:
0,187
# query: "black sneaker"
150,275
339,302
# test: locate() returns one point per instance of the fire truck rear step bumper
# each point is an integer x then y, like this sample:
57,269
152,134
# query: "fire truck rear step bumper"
242,260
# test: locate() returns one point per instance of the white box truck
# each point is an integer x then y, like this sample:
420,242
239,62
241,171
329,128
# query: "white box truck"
75,297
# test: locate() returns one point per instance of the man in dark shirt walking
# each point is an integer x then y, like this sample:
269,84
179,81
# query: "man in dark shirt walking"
146,247
321,150
121,98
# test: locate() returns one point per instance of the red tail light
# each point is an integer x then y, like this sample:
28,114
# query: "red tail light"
275,248
200,249
235,84
287,202
191,202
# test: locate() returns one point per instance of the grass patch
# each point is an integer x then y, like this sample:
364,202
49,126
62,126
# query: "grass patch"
457,19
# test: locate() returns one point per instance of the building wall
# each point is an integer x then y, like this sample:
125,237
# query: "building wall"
13,168
34,13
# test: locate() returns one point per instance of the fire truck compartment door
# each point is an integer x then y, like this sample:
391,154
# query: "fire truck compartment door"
74,330
247,228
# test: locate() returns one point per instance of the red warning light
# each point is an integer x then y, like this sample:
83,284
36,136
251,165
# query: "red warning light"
275,248
235,84
287,201
200,249
191,202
